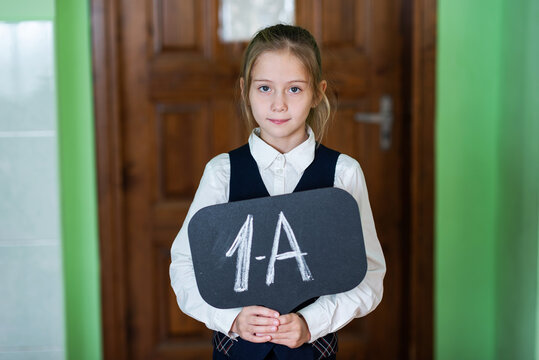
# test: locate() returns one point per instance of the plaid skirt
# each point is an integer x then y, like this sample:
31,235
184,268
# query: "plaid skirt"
225,348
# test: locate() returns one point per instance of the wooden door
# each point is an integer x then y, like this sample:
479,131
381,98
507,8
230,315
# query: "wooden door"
175,107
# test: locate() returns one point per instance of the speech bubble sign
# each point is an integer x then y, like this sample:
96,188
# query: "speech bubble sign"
278,251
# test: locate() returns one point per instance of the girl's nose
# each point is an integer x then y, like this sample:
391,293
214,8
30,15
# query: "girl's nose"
278,105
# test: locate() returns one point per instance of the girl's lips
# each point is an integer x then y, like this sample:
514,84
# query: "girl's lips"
278,121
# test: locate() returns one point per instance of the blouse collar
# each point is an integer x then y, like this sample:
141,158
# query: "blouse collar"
299,157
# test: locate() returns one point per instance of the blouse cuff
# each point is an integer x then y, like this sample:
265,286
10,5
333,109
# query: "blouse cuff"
223,319
317,320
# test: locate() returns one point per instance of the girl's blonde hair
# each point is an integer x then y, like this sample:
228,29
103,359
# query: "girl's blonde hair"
303,45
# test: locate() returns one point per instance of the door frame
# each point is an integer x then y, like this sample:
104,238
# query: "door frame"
419,96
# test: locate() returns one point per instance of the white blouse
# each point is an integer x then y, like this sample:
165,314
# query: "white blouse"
281,173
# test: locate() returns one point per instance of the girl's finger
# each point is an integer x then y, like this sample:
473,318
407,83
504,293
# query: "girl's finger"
286,319
264,330
263,311
257,339
262,320
285,329
290,326
279,336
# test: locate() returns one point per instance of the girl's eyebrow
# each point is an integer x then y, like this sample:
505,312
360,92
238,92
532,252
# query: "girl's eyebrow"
291,81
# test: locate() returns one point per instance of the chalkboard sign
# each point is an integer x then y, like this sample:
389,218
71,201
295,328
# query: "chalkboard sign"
278,251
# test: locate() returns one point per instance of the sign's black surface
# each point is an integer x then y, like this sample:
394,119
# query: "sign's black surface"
278,251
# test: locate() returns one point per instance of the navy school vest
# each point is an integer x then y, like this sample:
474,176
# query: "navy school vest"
246,183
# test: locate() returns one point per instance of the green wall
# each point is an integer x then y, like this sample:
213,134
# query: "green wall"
78,180
468,92
487,180
77,166
519,179
25,10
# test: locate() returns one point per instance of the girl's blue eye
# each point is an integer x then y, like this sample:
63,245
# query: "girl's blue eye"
295,89
264,88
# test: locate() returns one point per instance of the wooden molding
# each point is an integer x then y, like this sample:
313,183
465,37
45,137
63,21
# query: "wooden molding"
422,107
420,33
109,176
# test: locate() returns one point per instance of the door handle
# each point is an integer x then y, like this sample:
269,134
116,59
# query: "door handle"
384,118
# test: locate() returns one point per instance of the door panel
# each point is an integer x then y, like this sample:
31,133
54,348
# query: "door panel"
178,92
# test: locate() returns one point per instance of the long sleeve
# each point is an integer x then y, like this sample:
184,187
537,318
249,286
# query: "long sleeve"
332,312
213,189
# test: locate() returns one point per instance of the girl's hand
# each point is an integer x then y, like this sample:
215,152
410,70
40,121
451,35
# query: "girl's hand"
293,331
255,323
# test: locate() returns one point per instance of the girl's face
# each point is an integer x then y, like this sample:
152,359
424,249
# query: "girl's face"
280,97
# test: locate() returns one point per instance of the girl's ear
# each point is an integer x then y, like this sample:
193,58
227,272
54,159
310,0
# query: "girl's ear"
322,86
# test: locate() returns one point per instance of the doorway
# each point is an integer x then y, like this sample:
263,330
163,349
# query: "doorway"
165,89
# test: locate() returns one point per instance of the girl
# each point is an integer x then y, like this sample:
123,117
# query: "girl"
282,91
